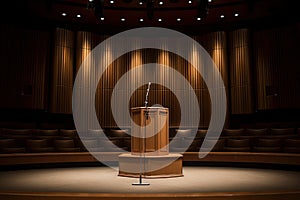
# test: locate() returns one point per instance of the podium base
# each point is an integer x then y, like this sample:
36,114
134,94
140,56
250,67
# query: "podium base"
129,166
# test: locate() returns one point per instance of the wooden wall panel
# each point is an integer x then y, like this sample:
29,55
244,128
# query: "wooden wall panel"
25,58
240,72
62,72
277,68
216,43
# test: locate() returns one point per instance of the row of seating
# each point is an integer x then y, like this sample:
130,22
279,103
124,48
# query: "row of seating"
61,140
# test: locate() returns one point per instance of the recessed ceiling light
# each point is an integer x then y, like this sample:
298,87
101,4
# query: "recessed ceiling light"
198,18
64,14
209,0
122,19
102,18
190,2
236,14
141,20
161,3
78,15
178,19
222,16
91,0
159,19
141,3
111,1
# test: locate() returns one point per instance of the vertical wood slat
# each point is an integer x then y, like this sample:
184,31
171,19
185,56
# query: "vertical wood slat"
277,68
158,93
62,76
24,56
240,72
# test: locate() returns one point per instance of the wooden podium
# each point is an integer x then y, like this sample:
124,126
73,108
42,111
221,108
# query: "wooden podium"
149,146
152,140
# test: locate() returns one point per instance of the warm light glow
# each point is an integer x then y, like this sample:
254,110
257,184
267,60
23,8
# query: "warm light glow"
161,3
159,20
190,2
236,14
111,1
141,20
198,18
122,19
64,14
178,19
78,16
222,16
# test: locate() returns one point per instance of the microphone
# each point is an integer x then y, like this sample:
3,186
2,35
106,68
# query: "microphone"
146,100
148,86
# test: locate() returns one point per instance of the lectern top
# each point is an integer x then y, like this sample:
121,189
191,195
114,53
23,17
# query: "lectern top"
143,107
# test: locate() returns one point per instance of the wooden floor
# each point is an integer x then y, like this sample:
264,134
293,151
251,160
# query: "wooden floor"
211,183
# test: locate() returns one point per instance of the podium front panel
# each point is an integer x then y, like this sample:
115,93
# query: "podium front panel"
156,144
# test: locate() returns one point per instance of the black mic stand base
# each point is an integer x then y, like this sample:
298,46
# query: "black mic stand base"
140,183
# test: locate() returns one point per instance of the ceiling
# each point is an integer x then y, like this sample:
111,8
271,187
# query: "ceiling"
172,13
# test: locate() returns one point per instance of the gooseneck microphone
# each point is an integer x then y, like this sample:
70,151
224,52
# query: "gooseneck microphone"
146,99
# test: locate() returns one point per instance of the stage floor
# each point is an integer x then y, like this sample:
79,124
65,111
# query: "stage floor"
106,180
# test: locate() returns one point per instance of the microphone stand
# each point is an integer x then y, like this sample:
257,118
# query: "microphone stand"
140,183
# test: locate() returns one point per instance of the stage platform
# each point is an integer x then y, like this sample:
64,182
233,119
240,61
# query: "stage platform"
197,182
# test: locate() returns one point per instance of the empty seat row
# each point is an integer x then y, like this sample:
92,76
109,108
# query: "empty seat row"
237,133
287,145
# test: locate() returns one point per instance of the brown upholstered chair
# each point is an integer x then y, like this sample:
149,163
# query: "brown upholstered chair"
183,133
11,146
267,145
39,146
95,133
291,145
92,145
118,133
21,135
256,132
237,145
179,145
201,133
233,132
72,133
219,145
65,145
282,132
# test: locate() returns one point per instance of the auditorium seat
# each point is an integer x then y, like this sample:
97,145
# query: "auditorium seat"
72,133
38,146
95,133
65,145
254,132
233,132
237,145
267,145
184,133
179,145
282,132
291,145
91,145
21,135
201,133
112,145
118,133
218,147
11,146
